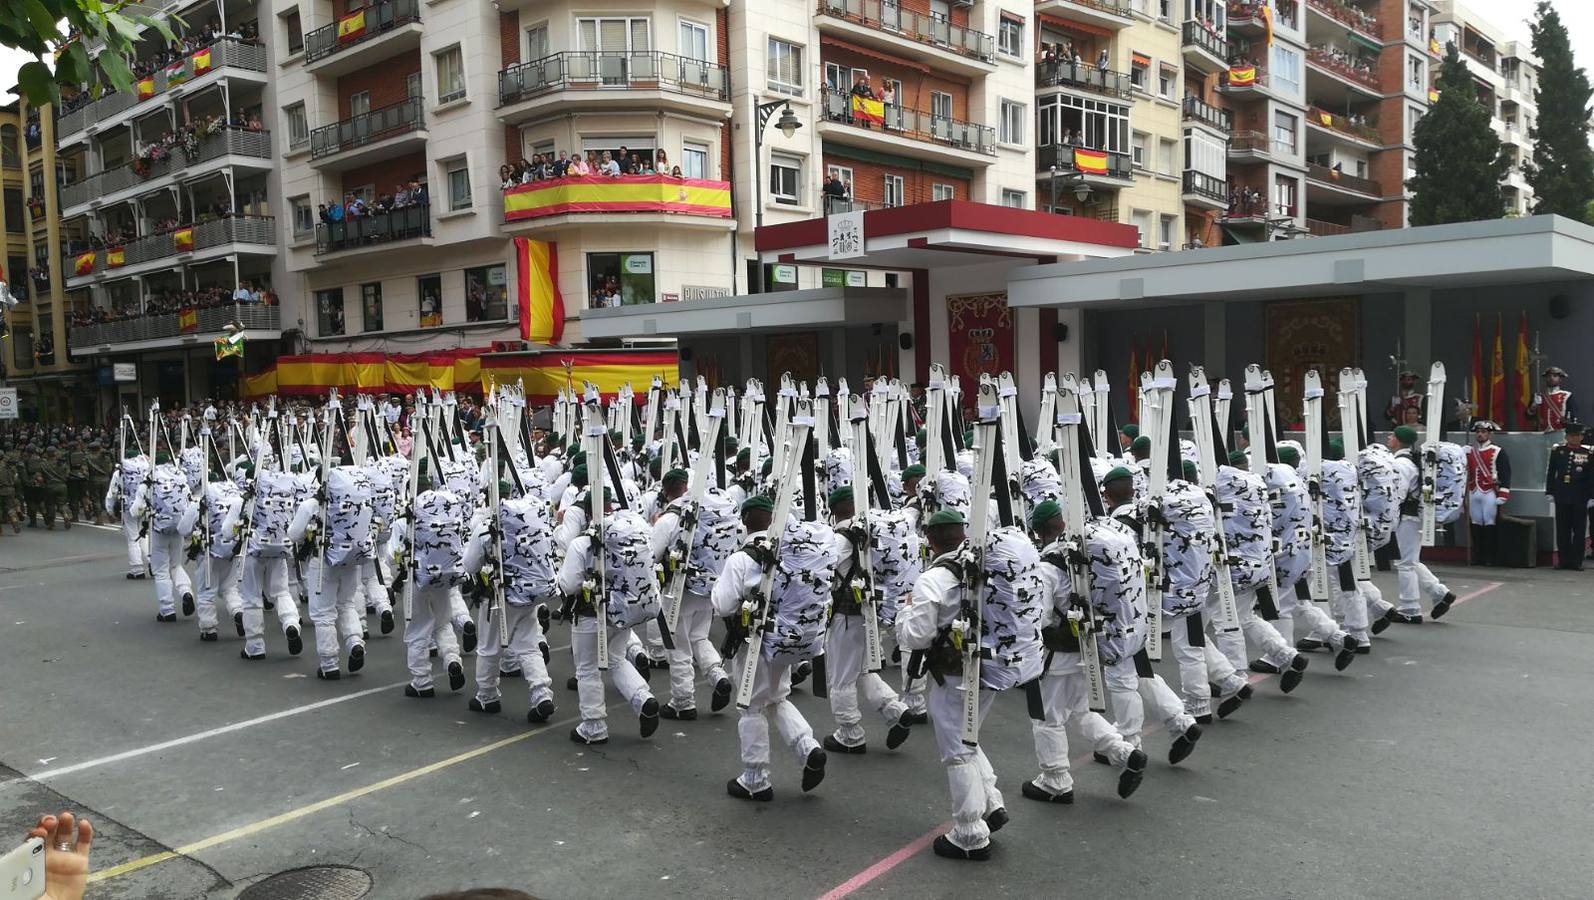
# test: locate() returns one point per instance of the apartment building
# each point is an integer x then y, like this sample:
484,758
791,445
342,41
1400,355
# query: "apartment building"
1506,74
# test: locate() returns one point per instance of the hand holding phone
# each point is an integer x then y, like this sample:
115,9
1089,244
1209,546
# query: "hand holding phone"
22,871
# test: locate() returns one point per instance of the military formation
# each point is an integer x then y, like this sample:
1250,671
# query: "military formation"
908,557
50,474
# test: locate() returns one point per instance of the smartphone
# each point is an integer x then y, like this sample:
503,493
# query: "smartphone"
22,872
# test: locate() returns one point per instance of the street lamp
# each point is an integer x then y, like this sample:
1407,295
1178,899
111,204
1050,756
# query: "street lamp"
788,125
1076,178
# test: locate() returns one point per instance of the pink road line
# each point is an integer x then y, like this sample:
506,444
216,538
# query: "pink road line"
1478,593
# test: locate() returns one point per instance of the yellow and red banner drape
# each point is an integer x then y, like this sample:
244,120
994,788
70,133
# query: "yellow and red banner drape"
188,320
351,26
1524,380
628,193
1326,119
115,258
183,240
1242,76
146,87
1497,397
1433,96
83,264
1132,384
543,374
542,308
866,110
1092,161
1475,381
1267,21
201,61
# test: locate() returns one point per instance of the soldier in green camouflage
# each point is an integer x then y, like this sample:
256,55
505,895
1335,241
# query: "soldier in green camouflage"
10,513
77,481
56,467
101,465
33,465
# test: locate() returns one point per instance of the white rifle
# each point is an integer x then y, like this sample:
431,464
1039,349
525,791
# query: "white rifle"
1312,413
1350,423
595,586
1428,458
677,560
864,589
1206,450
1256,421
969,626
1157,414
1075,467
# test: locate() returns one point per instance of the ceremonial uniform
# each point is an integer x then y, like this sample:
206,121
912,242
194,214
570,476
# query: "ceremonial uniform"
1488,488
126,481
1414,578
1187,542
1569,481
1248,532
713,541
338,520
164,499
267,555
1553,409
1341,532
438,526
1292,518
221,568
894,543
526,537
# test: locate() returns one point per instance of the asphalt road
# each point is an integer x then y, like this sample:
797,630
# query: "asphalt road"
1450,763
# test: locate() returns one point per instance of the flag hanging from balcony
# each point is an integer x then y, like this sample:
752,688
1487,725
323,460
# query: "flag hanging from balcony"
1242,76
866,110
1267,22
83,264
146,87
1092,161
1524,391
188,320
543,375
628,193
177,73
231,345
201,62
183,240
1434,48
542,309
1433,96
1326,119
351,27
115,258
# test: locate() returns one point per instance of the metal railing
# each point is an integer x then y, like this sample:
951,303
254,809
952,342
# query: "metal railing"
1119,165
225,53
1205,185
1325,60
211,233
1112,9
1349,16
1198,110
889,16
1250,141
1066,73
914,124
1358,224
602,70
1360,185
833,204
253,316
380,228
380,18
1259,80
388,121
1368,133
1196,35
229,141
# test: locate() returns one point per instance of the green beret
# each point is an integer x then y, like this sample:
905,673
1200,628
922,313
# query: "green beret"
578,457
968,437
1406,434
1190,472
676,475
162,458
573,450
757,502
248,468
1117,473
1044,512
1336,449
913,471
769,465
1131,430
1289,456
839,496
1245,431
746,453
578,475
730,443
129,453
1141,442
505,489
1237,457
918,437
423,480
946,515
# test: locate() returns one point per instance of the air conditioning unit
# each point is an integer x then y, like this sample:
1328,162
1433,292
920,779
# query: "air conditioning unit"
966,4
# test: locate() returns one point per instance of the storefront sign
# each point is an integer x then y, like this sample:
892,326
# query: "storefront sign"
125,372
703,292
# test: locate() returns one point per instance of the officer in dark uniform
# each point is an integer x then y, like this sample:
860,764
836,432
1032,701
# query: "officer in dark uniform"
1569,480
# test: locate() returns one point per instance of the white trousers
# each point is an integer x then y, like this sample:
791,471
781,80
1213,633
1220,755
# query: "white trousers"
771,688
374,588
265,577
913,689
218,578
1192,660
1483,507
969,775
166,559
627,681
430,608
692,646
1275,649
845,653
1132,695
135,546
524,635
1414,577
1066,693
335,611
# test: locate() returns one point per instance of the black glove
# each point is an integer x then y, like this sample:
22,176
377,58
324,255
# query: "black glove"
761,553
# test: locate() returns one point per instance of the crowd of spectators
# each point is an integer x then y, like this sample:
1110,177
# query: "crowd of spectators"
123,233
1068,53
549,166
171,302
181,48
1360,66
354,207
1247,201
186,140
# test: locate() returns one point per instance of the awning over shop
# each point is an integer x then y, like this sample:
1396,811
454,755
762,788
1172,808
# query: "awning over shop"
775,311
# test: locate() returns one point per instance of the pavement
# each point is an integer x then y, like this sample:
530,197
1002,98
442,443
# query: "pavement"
1446,764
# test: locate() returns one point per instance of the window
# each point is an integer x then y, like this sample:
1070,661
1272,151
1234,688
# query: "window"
450,74
1137,149
1139,71
1142,220
486,294
1167,82
844,175
290,24
303,215
412,85
1083,122
298,125
1205,154
694,41
694,160
429,290
360,103
1417,72
329,312
1012,122
1284,195
1285,72
371,306
785,63
1015,199
620,279
456,175
1284,125
1167,154
1010,35
1413,113
13,210
1165,10
785,178
943,192
893,191
537,42
1165,230
616,35
940,105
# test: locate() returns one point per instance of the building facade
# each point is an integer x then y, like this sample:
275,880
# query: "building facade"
1506,75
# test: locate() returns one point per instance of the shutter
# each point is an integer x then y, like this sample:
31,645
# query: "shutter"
611,35
589,34
639,35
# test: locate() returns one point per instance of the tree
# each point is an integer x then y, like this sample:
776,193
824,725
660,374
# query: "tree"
1458,160
1562,169
58,34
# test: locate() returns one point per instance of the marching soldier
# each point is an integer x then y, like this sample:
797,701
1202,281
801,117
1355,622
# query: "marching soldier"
1569,481
125,482
9,479
1553,409
713,541
525,534
1488,488
1415,578
164,499
77,479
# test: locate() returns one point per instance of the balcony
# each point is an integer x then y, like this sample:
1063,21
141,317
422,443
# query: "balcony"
832,204
590,80
363,38
1083,77
1351,17
845,119
887,25
1204,50
156,251
1340,181
1118,170
1201,189
1247,17
135,179
1320,228
1355,132
106,111
1360,73
151,332
1099,13
1250,207
639,199
404,224
379,134
1232,83
1255,146
1203,113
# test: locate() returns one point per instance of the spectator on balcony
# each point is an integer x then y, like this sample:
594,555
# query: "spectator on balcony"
609,167
1101,61
335,213
506,177
834,188
417,193
676,172
243,294
661,162
222,208
623,160
861,88
561,167
355,207
579,165
637,166
401,196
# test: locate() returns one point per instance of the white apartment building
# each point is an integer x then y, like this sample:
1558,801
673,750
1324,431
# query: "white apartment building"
1507,74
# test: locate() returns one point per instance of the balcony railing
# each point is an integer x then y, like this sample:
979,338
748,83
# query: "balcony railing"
832,204
1061,73
1480,54
621,194
605,70
1250,12
899,121
1349,16
212,233
1205,185
1106,6
1254,206
1359,130
1326,175
388,121
378,19
890,17
1259,79
1198,110
211,320
1323,59
223,53
381,228
1250,141
1197,35
229,141
1062,156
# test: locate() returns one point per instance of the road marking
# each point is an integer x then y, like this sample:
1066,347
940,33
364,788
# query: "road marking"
1478,593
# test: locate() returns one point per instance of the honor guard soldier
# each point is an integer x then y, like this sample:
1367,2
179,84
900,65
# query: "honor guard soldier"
1407,402
1488,488
1568,482
1553,408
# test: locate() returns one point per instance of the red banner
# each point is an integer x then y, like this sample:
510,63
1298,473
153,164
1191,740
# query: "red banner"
979,338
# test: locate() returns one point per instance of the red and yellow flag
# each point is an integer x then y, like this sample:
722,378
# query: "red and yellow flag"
188,320
1267,20
1475,382
542,308
1524,378
1132,385
83,264
201,61
867,110
183,240
628,193
1242,76
543,374
1433,96
1497,396
1092,161
115,258
352,26
1326,119
146,87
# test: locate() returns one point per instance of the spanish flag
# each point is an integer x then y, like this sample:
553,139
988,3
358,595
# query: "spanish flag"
1434,48
542,309
1497,410
183,240
1267,20
628,193
188,320
1092,161
1433,96
867,110
201,61
1524,380
543,375
83,264
351,27
146,87
1326,119
115,258
1242,76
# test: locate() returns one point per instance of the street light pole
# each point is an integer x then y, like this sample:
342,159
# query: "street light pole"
762,113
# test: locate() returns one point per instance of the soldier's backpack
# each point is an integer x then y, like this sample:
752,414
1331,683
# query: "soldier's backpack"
804,578
633,591
1010,628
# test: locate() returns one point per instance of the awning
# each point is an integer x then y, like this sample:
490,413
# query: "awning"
1070,25
773,311
826,39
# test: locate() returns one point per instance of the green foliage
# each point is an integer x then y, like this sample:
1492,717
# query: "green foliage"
58,35
1459,163
1562,169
